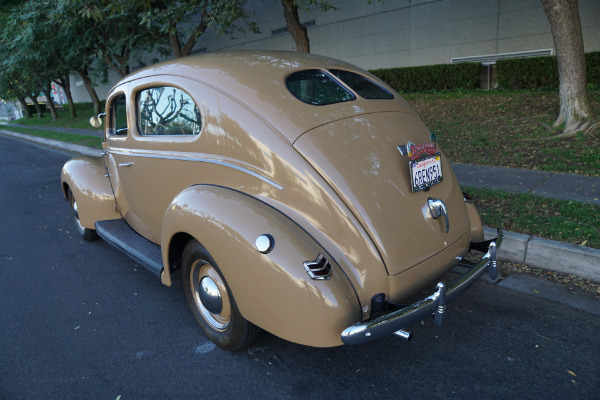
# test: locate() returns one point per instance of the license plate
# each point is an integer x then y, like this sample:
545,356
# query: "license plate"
425,172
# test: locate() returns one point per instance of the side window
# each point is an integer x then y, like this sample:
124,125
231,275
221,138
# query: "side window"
167,111
118,116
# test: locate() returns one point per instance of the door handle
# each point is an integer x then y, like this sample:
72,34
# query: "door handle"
126,164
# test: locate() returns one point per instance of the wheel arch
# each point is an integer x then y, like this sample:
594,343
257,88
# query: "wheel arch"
85,176
175,253
273,289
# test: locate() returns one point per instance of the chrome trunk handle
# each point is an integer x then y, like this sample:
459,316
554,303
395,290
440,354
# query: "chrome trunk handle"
437,209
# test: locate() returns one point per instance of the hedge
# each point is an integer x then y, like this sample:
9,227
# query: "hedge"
431,77
536,72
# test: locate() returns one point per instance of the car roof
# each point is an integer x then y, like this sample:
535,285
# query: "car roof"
257,79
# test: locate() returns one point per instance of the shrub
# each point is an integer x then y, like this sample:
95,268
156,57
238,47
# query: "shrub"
537,72
431,77
32,109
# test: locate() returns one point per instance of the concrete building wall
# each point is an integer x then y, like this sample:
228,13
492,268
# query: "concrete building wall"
400,33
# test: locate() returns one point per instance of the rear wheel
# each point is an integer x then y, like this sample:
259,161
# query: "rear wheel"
211,301
86,233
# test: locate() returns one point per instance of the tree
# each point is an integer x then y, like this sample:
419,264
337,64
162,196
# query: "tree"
36,52
116,36
183,22
77,45
565,24
10,89
18,80
292,20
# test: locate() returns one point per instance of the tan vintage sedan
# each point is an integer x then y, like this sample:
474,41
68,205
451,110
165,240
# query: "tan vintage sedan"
296,193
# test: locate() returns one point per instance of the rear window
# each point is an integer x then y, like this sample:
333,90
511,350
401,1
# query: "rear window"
365,87
317,87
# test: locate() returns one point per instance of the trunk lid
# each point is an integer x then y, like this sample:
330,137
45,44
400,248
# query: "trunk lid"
359,157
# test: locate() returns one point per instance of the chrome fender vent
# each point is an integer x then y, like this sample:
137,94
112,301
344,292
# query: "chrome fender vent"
319,268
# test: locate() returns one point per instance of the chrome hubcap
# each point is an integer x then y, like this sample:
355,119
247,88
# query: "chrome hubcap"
210,295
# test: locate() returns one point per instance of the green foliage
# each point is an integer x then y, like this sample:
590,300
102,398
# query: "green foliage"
568,221
592,68
184,21
112,31
431,77
540,72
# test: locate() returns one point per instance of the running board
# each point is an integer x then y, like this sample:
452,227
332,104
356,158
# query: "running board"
120,235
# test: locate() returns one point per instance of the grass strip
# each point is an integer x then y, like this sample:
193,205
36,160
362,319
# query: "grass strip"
82,120
84,140
565,221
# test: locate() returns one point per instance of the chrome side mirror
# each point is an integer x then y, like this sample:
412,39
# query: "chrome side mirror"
96,121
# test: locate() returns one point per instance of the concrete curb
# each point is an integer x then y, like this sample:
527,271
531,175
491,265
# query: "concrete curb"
548,254
57,144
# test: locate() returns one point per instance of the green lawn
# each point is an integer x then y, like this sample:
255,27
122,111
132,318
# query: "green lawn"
84,112
566,221
84,140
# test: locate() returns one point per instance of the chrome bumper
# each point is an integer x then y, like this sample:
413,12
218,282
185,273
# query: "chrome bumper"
434,305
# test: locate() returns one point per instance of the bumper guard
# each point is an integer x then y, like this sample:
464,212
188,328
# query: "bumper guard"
434,305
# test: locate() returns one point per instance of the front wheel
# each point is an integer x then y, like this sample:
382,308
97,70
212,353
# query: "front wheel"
85,233
211,301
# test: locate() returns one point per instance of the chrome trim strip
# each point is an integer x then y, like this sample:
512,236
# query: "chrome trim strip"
203,160
435,304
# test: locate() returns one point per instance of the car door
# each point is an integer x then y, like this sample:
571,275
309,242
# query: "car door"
149,163
119,162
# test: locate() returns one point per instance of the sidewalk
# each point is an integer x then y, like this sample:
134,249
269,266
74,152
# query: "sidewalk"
548,184
517,247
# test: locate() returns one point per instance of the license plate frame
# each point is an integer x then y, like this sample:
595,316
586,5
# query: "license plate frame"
425,172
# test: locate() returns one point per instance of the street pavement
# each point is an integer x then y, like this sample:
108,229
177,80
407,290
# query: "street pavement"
517,247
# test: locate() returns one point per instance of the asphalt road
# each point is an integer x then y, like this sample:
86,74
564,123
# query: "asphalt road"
79,320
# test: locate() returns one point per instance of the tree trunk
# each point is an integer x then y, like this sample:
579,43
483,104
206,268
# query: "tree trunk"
120,63
38,109
65,84
47,90
175,45
294,26
184,51
565,25
87,81
24,107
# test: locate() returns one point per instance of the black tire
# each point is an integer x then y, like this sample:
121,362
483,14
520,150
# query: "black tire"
217,315
86,233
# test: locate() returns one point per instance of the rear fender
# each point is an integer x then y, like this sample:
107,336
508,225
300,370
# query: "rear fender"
272,290
86,177
475,221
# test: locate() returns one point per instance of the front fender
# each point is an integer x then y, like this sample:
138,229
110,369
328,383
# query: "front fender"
87,179
272,290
